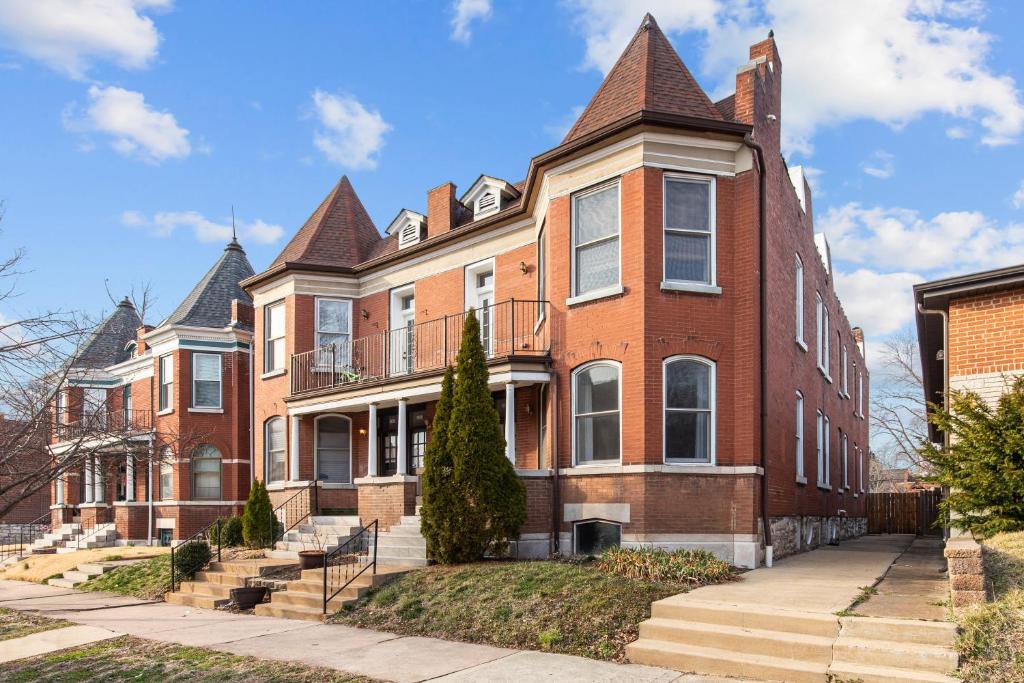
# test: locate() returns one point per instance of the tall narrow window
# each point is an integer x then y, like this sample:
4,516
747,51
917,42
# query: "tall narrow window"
798,295
689,229
824,336
334,329
334,449
596,413
860,468
274,451
846,463
821,448
800,436
860,394
206,380
689,385
206,473
273,337
96,406
542,427
595,239
60,412
846,374
828,453
166,399
166,473
126,405
542,278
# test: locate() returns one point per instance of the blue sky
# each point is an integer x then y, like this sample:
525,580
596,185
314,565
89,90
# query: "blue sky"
132,126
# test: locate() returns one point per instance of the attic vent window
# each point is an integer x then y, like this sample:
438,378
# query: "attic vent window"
410,234
486,204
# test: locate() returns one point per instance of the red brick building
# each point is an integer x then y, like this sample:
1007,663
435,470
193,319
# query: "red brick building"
667,351
157,420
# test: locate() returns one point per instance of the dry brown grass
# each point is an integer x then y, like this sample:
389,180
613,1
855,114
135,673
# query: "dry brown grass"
39,568
15,624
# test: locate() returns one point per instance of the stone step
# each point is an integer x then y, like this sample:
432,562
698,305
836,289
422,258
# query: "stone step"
61,582
798,646
900,630
336,520
94,569
248,567
269,609
390,539
195,600
403,561
911,656
79,576
412,551
720,662
290,598
410,520
401,530
307,587
282,554
213,590
220,578
864,673
807,623
384,574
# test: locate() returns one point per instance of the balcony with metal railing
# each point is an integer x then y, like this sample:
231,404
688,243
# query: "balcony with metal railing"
510,329
100,424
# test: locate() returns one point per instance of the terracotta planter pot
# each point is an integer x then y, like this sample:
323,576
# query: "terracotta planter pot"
311,559
247,598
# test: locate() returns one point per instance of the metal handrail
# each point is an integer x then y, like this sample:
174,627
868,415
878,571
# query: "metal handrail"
8,550
345,556
312,506
201,535
111,422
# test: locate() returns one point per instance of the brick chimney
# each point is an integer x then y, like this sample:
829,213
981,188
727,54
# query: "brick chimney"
442,209
759,87
242,314
140,345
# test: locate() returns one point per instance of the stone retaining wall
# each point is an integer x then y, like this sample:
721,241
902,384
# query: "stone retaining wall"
967,584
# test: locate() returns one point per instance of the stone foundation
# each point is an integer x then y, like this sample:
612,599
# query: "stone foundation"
791,535
966,561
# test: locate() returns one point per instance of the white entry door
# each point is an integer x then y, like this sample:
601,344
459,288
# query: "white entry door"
480,297
402,338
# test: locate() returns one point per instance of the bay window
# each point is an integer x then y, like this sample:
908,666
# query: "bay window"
273,337
166,397
689,230
689,397
206,380
595,240
333,327
206,473
596,413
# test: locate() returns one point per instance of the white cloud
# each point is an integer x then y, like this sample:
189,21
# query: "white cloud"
70,35
559,129
165,223
879,164
137,130
957,132
885,60
464,13
350,135
1018,197
881,303
890,237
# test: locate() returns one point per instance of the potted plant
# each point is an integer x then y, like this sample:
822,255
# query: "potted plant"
313,559
247,597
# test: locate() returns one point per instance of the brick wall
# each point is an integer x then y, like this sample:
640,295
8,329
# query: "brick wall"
986,333
386,502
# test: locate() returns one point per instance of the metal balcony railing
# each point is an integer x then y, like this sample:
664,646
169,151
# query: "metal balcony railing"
514,327
102,423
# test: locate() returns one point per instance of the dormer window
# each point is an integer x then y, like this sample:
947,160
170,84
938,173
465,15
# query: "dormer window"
131,348
409,227
489,195
410,234
486,204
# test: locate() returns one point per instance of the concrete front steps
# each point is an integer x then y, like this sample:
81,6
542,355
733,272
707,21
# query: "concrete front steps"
102,536
776,645
403,545
84,572
877,650
57,537
303,598
332,531
211,589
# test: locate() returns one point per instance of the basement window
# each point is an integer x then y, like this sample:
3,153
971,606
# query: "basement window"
595,536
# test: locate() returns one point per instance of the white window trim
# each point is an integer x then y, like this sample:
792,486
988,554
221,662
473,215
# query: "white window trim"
712,401
316,320
799,303
846,462
860,391
161,384
827,481
820,445
575,536
542,278
801,476
267,339
710,287
846,374
823,341
586,366
576,297
266,451
220,382
316,445
192,474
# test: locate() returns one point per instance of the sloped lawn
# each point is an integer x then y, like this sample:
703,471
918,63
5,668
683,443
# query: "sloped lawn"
147,579
567,607
15,624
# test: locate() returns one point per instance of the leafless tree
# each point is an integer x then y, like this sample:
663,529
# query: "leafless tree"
141,295
898,421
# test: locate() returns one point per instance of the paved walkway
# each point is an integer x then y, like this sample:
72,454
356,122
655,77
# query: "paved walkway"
915,587
359,651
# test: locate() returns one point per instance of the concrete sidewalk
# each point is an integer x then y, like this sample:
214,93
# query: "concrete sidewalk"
359,651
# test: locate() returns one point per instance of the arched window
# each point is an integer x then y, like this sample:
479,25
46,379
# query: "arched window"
206,473
273,449
596,413
334,449
689,386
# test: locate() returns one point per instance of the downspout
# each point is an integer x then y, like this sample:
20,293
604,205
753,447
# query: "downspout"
149,473
762,179
555,493
252,412
945,382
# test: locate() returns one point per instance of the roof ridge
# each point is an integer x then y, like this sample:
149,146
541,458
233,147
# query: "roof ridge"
208,303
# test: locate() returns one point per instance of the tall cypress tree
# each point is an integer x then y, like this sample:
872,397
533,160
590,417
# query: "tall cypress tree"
441,510
493,499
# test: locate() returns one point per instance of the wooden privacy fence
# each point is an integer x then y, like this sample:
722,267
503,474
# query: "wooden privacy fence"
909,512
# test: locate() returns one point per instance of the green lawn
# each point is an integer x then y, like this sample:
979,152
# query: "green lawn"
563,607
991,643
15,624
146,579
146,661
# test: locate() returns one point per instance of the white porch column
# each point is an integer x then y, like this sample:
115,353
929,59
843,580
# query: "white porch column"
88,480
510,422
371,450
98,481
129,477
60,490
294,450
403,446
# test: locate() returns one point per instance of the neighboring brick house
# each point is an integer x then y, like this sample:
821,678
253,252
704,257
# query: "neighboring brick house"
970,332
22,450
663,374
162,411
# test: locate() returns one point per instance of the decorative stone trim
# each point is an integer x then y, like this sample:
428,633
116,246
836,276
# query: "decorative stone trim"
393,479
966,560
589,470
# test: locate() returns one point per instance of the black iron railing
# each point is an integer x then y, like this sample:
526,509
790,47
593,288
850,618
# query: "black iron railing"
101,423
515,327
17,540
349,561
294,511
210,535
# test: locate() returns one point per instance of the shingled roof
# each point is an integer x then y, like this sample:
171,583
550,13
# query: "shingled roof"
649,76
106,344
209,302
339,233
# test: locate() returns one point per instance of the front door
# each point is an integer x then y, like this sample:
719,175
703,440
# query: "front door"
387,442
402,340
480,297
